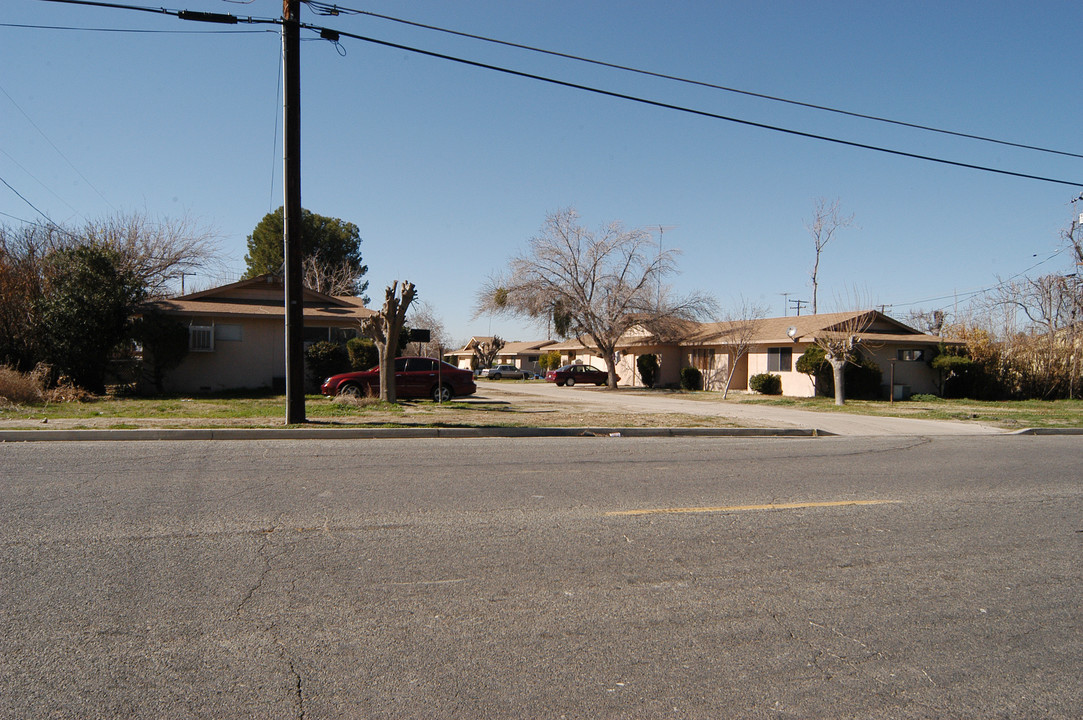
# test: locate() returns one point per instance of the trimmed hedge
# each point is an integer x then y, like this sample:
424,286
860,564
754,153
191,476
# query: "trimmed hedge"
691,379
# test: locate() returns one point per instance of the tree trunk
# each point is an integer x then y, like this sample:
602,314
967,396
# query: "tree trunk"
611,367
837,369
387,374
384,328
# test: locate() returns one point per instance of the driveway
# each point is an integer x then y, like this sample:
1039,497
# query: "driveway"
757,415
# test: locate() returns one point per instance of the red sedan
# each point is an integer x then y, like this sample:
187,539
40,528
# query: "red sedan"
415,377
571,374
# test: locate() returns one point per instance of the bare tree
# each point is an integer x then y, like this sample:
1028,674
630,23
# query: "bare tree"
156,251
841,344
827,219
603,282
423,317
485,352
338,279
384,328
930,322
1043,345
737,334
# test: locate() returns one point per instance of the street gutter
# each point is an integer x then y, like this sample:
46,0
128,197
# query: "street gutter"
306,433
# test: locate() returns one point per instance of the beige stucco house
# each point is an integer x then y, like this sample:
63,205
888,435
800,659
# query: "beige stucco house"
236,333
775,344
523,354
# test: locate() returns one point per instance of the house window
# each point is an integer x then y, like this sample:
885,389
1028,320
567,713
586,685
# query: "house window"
703,359
779,359
227,332
911,355
201,338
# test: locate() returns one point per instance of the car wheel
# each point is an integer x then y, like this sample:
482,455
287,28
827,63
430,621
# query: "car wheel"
349,390
441,393
560,383
569,382
495,376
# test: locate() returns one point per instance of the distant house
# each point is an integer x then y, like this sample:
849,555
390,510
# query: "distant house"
523,354
776,344
236,333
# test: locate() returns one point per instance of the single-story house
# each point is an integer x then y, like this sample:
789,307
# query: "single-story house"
523,354
775,344
236,332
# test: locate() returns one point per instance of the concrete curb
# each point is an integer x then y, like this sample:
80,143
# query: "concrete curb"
1048,431
390,433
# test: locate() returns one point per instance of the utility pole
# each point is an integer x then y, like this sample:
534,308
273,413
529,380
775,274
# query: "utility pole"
799,304
291,212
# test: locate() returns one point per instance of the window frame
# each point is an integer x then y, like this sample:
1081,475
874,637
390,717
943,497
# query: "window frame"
196,333
775,356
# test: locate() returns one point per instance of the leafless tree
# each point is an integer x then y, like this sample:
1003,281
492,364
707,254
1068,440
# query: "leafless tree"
485,352
827,219
384,328
156,251
930,322
737,333
423,317
604,283
1043,345
840,345
338,279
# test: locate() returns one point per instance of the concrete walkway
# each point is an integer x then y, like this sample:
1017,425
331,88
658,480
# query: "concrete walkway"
759,415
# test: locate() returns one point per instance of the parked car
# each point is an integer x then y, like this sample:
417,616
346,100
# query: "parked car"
571,374
503,371
415,377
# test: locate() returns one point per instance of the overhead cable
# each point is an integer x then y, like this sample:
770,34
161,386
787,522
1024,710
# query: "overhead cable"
692,111
324,8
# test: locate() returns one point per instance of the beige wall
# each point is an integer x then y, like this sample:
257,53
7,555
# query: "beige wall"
916,374
252,362
794,383
669,364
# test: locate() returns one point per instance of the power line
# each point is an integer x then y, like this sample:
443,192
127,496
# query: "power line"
32,205
335,34
135,30
971,293
54,147
692,111
323,8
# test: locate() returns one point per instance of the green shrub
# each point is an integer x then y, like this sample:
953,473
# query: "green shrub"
549,361
691,379
324,359
363,353
766,384
925,397
648,369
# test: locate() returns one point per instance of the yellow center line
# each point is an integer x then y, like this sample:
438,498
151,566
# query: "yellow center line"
743,508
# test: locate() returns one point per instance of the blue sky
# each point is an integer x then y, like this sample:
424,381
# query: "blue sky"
449,169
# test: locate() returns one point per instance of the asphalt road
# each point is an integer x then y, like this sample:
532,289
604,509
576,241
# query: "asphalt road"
579,578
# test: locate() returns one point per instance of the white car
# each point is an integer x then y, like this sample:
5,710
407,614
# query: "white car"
503,371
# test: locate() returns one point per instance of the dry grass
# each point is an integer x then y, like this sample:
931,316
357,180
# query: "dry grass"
18,388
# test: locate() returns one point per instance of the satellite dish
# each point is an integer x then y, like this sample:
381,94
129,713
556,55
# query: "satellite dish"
791,331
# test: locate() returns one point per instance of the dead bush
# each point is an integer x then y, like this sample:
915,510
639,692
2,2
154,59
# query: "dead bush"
18,388
66,392
367,400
